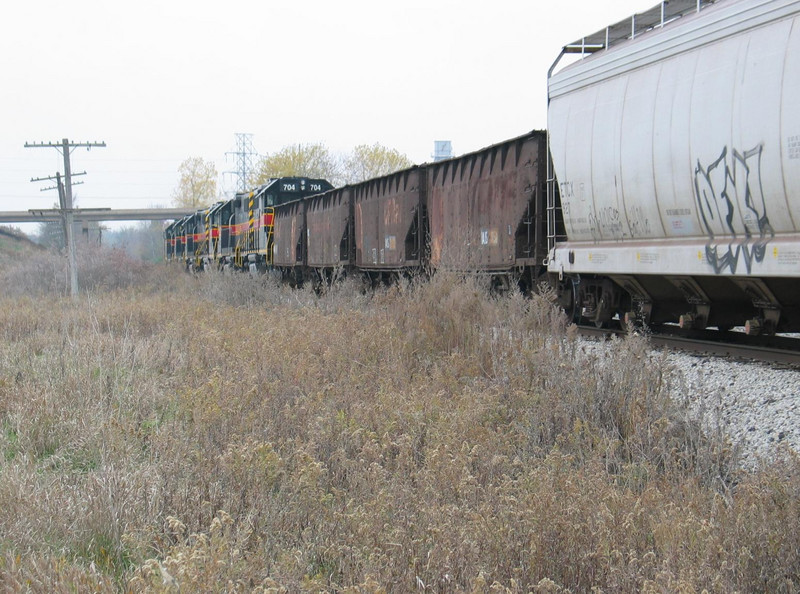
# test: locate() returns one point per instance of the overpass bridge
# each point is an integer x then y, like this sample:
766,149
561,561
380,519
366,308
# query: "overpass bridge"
95,214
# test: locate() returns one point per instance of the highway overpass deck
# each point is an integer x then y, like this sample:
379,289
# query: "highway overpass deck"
96,214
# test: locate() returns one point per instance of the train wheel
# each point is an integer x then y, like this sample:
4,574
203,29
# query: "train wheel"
570,301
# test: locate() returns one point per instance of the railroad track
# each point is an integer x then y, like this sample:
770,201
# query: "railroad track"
780,350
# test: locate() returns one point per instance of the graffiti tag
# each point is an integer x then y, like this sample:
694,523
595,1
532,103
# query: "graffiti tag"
731,204
638,223
606,222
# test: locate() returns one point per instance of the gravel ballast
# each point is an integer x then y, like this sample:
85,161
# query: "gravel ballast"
756,404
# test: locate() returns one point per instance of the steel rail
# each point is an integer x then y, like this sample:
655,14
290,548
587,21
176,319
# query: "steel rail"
780,350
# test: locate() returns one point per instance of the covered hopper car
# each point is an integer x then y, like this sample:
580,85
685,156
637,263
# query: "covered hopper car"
675,144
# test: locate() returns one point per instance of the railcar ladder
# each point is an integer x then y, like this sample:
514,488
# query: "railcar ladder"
240,244
552,231
269,224
215,238
200,248
657,17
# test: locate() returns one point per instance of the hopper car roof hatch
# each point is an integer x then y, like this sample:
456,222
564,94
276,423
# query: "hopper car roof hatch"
656,17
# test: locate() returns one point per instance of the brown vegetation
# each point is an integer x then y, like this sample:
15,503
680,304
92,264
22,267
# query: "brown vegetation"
14,244
225,433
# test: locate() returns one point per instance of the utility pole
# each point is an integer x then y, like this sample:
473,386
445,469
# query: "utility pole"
244,159
65,147
62,201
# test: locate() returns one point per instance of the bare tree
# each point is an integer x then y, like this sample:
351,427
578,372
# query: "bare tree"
302,160
316,161
197,187
368,161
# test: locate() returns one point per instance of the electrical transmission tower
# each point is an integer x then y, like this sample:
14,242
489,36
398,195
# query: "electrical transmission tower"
244,160
65,147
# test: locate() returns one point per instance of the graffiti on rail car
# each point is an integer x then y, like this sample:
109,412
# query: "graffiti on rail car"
606,222
731,204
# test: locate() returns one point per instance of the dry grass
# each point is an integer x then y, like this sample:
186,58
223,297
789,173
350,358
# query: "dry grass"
100,269
224,433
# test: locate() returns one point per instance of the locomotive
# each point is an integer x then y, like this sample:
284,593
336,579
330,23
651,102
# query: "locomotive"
235,233
665,190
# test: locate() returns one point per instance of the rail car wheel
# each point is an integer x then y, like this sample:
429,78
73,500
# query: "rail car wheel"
568,297
576,308
500,284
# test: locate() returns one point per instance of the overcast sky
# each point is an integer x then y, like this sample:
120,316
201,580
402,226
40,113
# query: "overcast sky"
161,81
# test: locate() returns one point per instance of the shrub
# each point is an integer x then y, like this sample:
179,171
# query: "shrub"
219,432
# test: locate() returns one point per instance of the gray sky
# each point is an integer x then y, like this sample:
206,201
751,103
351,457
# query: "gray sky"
160,81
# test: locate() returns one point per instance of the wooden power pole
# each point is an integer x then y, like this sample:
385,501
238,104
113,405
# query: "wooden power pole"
65,201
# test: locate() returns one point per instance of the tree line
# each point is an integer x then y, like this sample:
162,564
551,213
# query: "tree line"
197,185
197,188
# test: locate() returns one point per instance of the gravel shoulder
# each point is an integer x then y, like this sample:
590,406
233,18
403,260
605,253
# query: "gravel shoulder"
756,404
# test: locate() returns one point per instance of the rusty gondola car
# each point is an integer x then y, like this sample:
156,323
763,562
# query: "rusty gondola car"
314,237
289,245
389,218
481,212
329,234
487,210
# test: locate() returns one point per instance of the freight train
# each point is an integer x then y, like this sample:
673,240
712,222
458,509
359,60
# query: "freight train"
235,233
666,188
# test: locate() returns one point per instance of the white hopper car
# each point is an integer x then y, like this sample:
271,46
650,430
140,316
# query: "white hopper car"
675,146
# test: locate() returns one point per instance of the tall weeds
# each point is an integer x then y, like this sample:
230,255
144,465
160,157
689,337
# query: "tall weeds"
220,432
